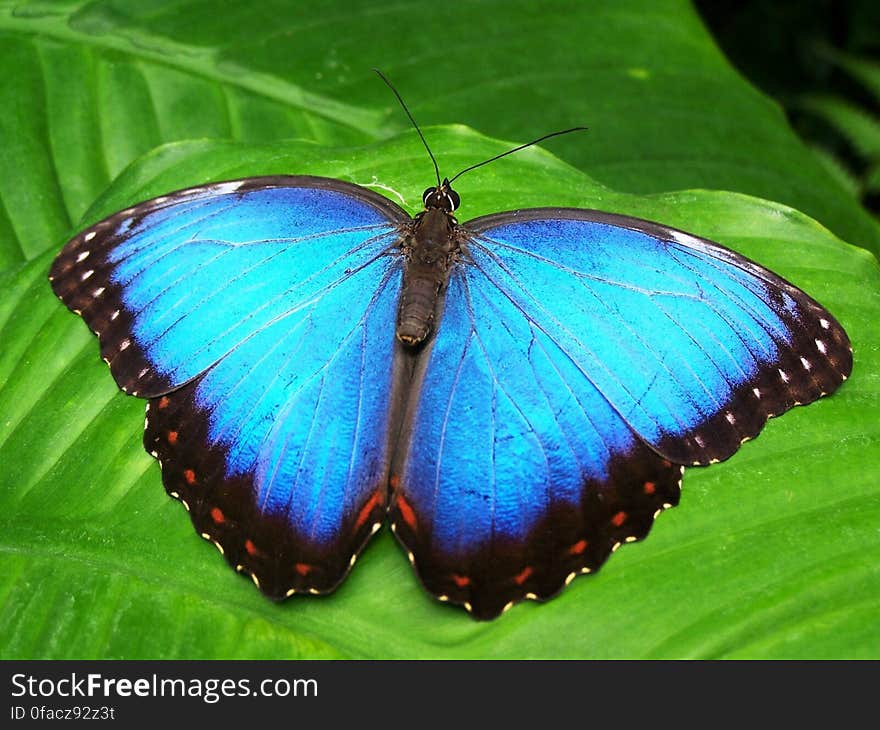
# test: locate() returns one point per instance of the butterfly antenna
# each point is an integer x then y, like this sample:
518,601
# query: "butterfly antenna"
409,114
517,149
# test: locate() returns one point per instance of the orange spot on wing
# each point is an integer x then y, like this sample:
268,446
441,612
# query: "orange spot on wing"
667,463
250,547
460,580
523,575
578,547
163,401
172,437
406,512
303,568
190,476
218,516
650,487
367,510
618,519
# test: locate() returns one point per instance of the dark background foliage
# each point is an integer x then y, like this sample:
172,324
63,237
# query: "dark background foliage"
821,61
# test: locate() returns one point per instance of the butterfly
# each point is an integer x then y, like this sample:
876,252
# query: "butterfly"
517,396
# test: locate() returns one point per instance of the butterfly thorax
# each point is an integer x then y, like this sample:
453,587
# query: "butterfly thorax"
429,250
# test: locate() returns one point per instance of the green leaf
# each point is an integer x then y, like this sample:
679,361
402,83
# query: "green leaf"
837,169
773,553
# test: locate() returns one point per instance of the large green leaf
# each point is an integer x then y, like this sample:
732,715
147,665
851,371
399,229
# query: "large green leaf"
774,553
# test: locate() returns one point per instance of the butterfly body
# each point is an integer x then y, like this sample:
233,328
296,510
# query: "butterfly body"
516,395
430,252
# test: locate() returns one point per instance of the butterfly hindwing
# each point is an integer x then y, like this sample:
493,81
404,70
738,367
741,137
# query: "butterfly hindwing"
254,313
580,362
280,451
514,481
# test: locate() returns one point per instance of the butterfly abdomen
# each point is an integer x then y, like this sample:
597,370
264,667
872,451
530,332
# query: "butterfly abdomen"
429,250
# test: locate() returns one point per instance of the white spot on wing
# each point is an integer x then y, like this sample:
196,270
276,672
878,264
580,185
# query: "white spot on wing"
686,238
114,315
88,237
805,363
229,187
820,346
87,274
731,419
84,254
825,324
783,375
98,292
757,392
124,345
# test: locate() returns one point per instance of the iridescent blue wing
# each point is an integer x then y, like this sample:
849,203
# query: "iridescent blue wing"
252,314
582,359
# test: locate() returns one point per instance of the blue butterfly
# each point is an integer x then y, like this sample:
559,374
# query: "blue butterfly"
517,395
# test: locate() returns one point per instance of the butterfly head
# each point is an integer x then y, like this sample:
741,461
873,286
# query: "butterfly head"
442,197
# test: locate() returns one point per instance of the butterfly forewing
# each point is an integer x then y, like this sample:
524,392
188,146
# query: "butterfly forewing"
171,285
692,344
